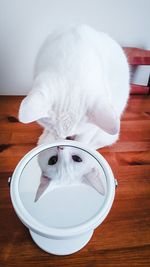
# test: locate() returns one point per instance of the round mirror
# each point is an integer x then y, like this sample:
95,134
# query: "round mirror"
63,186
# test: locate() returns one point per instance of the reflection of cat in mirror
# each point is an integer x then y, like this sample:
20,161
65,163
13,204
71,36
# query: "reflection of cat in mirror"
66,165
80,87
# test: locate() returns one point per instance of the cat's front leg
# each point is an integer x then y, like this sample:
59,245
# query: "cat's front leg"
96,138
48,136
42,138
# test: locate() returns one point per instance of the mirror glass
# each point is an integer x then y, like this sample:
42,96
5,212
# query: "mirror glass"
63,186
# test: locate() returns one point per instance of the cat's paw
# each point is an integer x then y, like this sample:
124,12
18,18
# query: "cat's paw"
46,138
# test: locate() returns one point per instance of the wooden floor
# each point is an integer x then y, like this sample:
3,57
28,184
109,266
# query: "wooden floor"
124,237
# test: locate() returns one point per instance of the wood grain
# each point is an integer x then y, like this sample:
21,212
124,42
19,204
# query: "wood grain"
123,239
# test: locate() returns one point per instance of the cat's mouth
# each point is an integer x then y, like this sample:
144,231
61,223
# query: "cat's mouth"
60,148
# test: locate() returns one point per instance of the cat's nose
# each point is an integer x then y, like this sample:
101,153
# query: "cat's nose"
72,137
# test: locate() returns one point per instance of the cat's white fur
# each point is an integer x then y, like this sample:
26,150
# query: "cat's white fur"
80,88
67,171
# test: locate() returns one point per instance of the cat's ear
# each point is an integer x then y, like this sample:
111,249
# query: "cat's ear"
33,107
94,180
104,116
44,183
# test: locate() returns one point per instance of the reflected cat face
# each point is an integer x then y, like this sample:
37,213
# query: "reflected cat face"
66,165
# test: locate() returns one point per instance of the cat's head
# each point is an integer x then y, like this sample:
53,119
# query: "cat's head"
40,106
59,117
65,165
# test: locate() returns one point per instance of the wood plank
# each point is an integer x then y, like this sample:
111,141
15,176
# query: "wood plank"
139,103
127,146
128,158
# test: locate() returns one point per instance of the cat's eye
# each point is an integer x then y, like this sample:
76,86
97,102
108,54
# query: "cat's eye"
76,158
53,160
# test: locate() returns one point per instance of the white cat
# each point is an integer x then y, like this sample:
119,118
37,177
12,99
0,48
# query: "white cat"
80,88
64,165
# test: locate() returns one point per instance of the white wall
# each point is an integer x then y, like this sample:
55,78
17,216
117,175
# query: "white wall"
24,24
